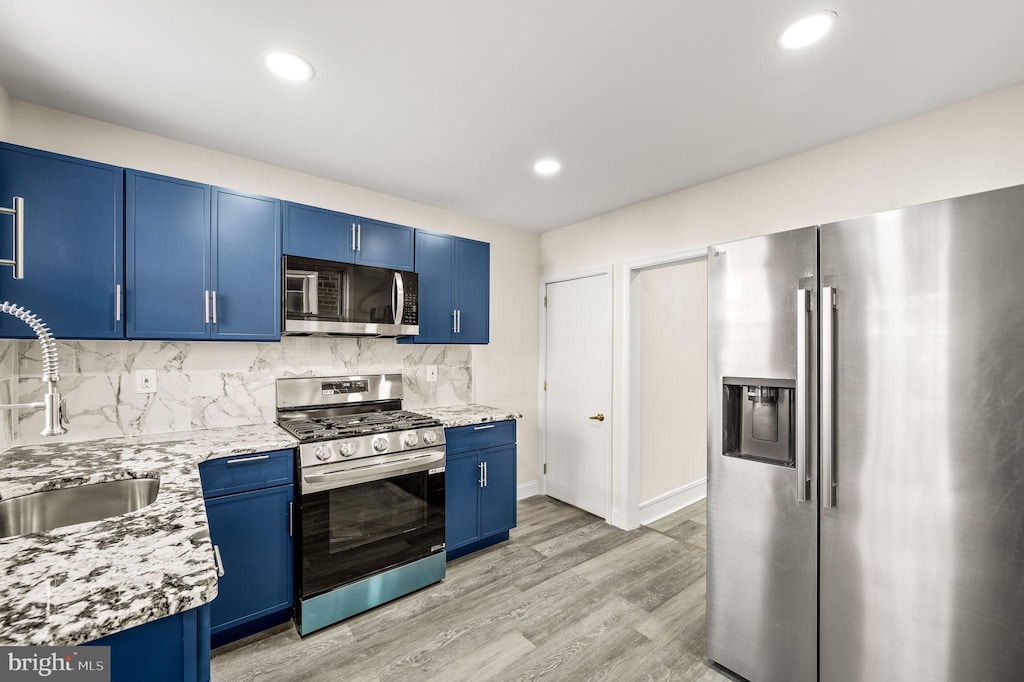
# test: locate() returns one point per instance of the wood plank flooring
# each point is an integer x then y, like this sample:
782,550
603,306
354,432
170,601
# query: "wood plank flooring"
567,598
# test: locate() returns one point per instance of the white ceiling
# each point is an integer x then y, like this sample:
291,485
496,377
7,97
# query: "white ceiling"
450,102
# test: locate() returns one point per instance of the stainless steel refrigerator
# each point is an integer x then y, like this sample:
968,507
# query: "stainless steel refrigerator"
866,447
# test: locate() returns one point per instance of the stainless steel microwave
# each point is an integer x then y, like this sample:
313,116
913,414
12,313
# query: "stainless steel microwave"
323,297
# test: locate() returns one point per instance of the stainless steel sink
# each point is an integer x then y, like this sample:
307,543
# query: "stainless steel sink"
55,508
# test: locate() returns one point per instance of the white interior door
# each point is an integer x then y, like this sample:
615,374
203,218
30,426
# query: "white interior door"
577,441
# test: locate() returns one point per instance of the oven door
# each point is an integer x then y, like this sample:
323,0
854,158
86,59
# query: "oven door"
364,517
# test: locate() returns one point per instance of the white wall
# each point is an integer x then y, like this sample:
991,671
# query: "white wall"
5,114
968,147
504,371
673,369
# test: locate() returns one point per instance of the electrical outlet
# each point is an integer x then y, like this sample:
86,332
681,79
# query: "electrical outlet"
431,372
145,380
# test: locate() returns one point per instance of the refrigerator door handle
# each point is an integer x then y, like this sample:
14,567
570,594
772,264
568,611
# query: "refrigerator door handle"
828,307
802,494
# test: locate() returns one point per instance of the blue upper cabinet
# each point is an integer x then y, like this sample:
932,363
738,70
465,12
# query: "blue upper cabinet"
384,245
246,269
318,233
454,289
435,254
74,244
167,242
202,262
472,291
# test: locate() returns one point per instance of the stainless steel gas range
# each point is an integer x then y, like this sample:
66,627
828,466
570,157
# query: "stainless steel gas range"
371,494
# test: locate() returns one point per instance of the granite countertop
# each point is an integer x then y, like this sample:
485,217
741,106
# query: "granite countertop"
78,583
464,415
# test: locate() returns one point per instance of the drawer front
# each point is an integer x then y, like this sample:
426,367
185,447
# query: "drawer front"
480,436
246,472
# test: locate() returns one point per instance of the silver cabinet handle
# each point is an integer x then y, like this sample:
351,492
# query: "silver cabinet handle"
18,262
485,474
480,466
455,327
117,303
458,321
290,517
828,307
214,306
206,306
243,460
359,237
801,396
218,561
353,236
482,428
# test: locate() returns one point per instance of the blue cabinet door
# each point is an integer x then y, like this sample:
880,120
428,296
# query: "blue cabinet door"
498,495
461,500
435,260
167,242
246,238
252,531
74,243
385,245
318,233
455,286
472,290
171,649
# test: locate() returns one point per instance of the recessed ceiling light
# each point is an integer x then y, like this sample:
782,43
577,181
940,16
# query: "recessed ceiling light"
547,167
810,29
287,65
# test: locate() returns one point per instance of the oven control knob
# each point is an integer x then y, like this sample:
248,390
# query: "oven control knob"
411,439
322,453
348,449
380,443
429,437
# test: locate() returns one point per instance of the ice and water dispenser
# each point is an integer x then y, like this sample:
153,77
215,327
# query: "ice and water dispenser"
758,420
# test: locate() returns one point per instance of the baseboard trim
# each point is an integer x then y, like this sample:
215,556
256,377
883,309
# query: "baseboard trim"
528,489
673,501
619,518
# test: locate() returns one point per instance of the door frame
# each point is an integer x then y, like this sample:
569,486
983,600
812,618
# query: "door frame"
609,293
628,517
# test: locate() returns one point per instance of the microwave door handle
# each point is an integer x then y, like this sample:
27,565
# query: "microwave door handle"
398,298
309,287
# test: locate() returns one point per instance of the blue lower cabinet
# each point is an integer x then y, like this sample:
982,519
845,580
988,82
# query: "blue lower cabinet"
498,495
171,649
461,500
252,534
480,486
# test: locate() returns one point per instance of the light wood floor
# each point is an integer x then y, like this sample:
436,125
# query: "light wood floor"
567,598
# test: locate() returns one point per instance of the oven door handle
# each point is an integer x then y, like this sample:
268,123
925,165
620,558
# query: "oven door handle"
355,473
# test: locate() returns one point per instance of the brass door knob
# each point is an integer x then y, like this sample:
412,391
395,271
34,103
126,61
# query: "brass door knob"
599,417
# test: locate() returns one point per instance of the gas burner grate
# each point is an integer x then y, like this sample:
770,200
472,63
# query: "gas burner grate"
328,428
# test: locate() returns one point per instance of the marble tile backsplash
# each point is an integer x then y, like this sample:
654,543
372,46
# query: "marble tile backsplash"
202,385
8,362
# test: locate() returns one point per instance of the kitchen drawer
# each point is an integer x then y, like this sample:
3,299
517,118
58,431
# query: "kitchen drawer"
479,436
246,472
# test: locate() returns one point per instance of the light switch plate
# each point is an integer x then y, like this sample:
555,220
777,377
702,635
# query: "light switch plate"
145,380
431,372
